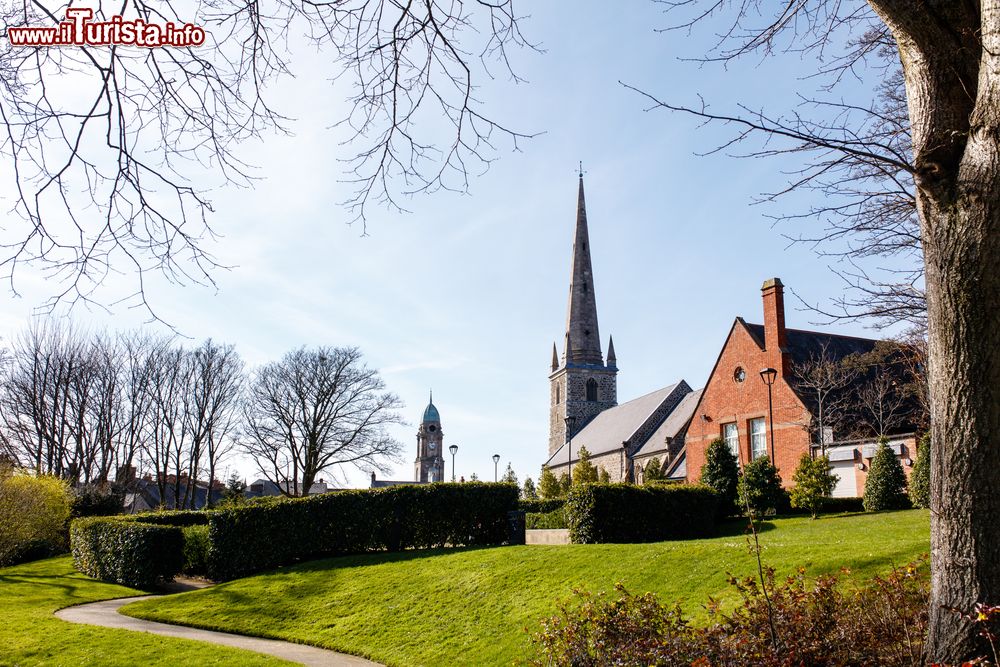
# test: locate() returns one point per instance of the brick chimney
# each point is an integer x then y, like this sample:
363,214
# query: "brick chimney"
775,336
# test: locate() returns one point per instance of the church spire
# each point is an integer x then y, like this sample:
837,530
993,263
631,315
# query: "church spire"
581,315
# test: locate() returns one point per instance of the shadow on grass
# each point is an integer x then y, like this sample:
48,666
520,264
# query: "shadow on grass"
739,527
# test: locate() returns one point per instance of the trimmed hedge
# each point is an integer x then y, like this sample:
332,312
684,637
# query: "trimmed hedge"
622,513
546,520
249,539
195,550
541,505
180,518
126,551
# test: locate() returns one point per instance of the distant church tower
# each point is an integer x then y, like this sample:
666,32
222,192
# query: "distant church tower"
429,465
581,385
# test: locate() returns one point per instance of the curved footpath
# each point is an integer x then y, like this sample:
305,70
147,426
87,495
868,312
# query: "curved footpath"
105,614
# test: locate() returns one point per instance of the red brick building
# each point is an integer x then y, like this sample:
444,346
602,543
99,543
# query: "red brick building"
734,403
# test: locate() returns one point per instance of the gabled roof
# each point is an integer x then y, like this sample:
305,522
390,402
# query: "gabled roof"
805,345
609,429
672,426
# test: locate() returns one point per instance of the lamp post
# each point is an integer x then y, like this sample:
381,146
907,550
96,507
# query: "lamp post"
569,445
453,449
496,461
768,375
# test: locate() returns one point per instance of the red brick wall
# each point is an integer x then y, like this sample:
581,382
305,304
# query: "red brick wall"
726,400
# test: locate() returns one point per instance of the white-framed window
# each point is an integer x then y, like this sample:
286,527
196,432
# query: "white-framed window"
731,434
758,438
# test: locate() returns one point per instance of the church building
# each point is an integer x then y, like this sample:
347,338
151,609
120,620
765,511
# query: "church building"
429,464
583,390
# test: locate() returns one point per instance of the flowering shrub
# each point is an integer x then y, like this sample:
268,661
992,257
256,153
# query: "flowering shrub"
797,622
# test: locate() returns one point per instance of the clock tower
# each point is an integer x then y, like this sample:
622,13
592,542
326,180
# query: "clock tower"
429,466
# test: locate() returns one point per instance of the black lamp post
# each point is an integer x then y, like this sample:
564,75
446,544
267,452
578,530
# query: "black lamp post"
496,461
569,445
453,449
768,375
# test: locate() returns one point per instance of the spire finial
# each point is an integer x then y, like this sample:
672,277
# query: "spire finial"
580,169
432,397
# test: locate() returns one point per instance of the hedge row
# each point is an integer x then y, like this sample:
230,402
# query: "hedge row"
171,518
546,520
623,513
541,505
126,551
827,506
248,539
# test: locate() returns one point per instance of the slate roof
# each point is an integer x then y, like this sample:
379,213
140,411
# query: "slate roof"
803,346
606,432
673,425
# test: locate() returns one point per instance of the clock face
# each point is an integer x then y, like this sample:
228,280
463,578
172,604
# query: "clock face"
432,428
432,446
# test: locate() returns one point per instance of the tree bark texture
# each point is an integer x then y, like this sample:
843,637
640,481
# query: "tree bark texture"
950,51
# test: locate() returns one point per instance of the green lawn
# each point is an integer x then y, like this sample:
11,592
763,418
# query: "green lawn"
31,635
472,606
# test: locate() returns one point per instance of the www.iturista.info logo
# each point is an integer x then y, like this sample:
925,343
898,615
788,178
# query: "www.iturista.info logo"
79,29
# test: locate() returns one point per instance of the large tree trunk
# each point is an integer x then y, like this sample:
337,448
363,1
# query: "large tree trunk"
962,251
950,52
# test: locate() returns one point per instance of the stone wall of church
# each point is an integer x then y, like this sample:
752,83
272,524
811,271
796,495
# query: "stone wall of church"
612,462
568,396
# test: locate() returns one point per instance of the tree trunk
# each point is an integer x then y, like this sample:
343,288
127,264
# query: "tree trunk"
962,248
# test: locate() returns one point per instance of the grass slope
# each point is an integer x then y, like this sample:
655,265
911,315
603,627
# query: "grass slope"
472,606
31,635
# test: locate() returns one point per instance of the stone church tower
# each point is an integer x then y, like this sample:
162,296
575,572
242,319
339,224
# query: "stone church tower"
581,385
429,466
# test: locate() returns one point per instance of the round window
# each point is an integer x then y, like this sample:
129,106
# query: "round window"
739,374
432,428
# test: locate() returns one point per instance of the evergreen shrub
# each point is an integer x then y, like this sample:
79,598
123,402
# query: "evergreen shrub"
623,513
125,551
813,482
195,550
920,476
885,488
721,472
540,506
760,489
555,519
248,539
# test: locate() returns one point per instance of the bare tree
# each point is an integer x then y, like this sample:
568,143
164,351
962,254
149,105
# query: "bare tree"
949,56
104,146
824,378
883,398
216,383
318,409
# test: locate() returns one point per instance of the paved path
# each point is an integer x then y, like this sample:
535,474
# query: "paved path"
105,613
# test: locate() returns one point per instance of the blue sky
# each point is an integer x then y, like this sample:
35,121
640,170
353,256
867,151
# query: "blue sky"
467,292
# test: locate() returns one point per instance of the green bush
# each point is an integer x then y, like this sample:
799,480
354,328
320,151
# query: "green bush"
759,488
547,520
179,518
548,485
722,472
920,476
623,513
33,515
885,488
584,472
252,538
840,505
813,482
195,550
816,622
126,551
92,500
540,506
653,472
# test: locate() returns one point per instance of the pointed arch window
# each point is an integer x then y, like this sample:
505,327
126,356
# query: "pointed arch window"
591,389
557,395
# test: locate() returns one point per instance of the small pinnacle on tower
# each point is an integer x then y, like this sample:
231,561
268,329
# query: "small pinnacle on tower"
555,357
612,359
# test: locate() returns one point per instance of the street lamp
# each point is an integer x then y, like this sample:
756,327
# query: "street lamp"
569,445
496,461
768,375
453,449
